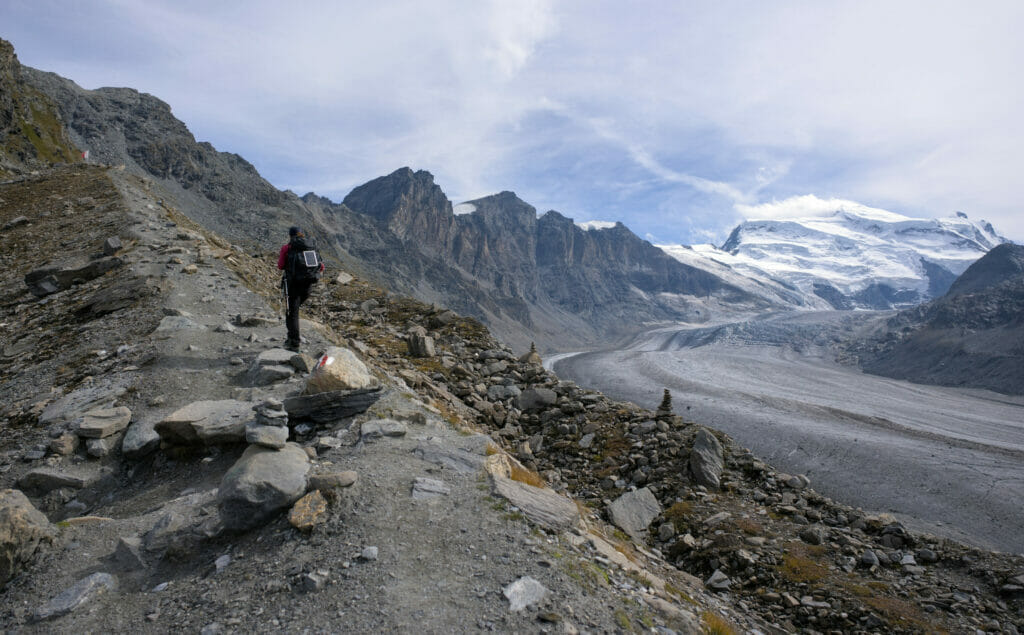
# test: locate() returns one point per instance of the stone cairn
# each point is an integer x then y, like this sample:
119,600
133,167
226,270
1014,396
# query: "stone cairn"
270,428
665,409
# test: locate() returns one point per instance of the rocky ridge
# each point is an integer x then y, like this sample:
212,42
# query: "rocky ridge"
673,525
528,279
973,336
32,135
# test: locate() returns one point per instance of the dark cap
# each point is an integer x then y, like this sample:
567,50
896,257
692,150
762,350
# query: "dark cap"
294,231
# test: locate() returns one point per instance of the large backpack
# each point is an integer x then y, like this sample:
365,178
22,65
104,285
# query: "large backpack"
303,264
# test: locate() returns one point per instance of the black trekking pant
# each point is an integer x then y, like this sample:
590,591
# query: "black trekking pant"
297,294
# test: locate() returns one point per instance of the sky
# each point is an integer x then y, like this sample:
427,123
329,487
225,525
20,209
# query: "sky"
679,119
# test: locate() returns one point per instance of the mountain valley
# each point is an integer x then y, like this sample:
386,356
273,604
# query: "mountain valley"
166,465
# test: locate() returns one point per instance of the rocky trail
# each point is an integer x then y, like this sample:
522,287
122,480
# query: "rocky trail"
164,465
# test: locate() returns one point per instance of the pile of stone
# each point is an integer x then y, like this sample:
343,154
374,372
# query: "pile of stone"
270,428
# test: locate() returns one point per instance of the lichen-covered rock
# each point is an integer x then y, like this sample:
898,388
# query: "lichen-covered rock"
22,529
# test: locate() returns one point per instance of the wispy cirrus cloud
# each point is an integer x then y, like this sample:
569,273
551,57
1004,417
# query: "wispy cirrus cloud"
676,118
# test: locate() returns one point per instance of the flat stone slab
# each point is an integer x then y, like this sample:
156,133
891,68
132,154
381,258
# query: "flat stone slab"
207,423
457,459
79,594
541,505
330,480
104,422
326,407
75,403
425,488
266,375
633,512
379,428
173,323
47,479
275,357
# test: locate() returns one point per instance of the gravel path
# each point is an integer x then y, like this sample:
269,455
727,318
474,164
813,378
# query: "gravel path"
950,461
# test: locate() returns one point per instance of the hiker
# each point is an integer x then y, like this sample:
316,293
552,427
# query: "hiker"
302,267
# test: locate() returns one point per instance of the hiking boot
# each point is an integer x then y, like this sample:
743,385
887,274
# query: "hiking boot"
292,345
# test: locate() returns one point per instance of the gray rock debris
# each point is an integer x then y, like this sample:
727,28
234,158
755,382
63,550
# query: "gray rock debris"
524,592
82,592
633,512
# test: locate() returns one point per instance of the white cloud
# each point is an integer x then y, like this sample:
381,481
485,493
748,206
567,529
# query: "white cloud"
810,206
912,105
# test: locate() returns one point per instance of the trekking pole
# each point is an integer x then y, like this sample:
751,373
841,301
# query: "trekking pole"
284,295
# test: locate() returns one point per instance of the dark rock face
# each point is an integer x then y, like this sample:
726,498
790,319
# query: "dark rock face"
409,204
973,336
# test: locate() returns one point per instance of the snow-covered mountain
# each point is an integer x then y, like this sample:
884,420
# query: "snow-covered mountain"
856,256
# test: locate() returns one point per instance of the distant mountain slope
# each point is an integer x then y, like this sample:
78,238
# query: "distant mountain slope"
529,279
32,134
973,336
860,257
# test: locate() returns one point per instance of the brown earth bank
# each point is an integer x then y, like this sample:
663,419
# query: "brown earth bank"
443,484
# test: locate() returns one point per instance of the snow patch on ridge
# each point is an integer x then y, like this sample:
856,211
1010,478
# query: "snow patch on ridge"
464,208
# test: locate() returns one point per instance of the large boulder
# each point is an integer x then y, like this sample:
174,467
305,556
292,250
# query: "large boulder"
420,344
706,460
141,439
536,399
633,512
339,369
207,423
22,529
261,483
